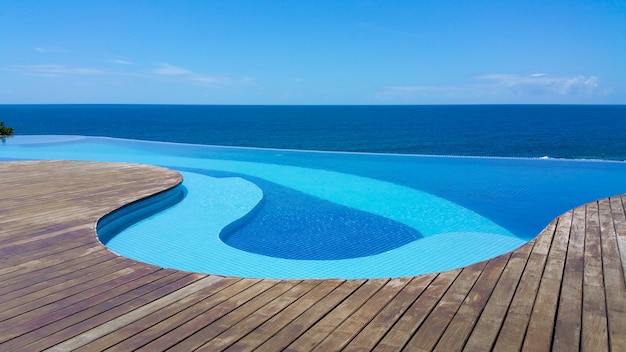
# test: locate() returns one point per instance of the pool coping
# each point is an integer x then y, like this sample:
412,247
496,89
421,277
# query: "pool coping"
62,289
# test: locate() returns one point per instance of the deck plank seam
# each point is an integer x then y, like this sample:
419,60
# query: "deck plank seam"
73,274
212,313
303,300
574,251
558,294
41,257
432,308
47,279
163,316
389,306
236,317
117,323
375,313
209,344
75,304
461,302
616,341
134,302
486,299
52,299
16,259
342,318
622,235
329,311
57,326
518,281
311,309
407,307
593,216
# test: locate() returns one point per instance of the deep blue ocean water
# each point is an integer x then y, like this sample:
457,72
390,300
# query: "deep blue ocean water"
558,131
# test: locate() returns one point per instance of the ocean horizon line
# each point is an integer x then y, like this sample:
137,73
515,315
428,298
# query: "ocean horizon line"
535,131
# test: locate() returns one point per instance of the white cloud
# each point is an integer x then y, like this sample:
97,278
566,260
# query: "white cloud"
163,70
543,84
54,70
170,70
49,49
166,69
500,87
121,62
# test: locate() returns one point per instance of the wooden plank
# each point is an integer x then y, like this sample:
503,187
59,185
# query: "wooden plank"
460,328
336,316
35,267
33,281
558,291
237,331
51,252
369,337
80,235
67,305
22,233
435,325
123,320
47,324
218,308
613,275
420,309
115,308
487,328
11,270
568,320
70,305
533,309
304,321
173,315
594,321
355,323
56,223
37,301
250,308
619,221
279,321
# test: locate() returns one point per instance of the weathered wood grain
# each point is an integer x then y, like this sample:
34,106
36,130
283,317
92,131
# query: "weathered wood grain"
61,289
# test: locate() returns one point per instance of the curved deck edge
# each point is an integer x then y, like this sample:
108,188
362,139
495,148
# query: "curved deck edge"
61,289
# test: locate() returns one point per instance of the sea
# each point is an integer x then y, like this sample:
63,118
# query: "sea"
553,131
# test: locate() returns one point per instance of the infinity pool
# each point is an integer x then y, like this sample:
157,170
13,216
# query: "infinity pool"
293,214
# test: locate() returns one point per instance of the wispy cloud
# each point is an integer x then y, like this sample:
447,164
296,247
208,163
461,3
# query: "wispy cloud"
162,70
499,87
54,70
170,70
165,69
543,84
49,49
121,62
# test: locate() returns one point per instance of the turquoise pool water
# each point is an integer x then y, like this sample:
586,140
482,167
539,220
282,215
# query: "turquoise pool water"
291,214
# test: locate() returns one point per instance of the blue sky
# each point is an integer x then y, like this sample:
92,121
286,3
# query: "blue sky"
313,52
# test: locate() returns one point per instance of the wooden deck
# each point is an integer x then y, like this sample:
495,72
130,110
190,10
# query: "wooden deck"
61,290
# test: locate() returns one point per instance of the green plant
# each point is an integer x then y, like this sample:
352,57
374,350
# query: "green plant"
5,131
